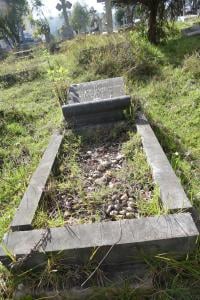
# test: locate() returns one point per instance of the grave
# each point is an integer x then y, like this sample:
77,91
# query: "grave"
67,29
192,31
109,18
121,244
24,54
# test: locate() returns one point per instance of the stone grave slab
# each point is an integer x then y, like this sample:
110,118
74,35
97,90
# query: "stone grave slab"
96,102
192,31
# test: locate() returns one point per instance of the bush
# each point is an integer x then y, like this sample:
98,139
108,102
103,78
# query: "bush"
26,75
191,64
109,60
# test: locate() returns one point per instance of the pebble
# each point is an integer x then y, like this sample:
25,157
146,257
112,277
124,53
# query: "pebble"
124,203
113,213
103,166
108,210
119,157
122,212
90,188
124,197
117,206
130,215
113,161
108,173
130,199
100,181
66,214
68,205
130,204
111,185
129,209
96,174
114,197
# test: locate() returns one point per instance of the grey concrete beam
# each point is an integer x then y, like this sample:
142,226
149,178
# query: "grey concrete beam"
173,196
29,204
132,239
92,107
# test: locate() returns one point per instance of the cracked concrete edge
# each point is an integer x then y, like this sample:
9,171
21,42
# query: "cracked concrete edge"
26,211
172,193
132,240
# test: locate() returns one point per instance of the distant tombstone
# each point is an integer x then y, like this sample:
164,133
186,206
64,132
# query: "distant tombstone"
67,30
109,20
95,21
96,102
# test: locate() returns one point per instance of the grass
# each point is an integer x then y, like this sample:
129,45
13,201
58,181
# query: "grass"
164,82
29,114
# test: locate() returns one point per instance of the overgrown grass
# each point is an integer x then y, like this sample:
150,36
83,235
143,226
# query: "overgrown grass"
164,81
28,115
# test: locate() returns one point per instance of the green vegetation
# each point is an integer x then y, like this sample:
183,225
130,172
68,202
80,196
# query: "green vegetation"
163,80
11,20
28,115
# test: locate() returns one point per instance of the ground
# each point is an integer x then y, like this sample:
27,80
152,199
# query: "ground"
163,80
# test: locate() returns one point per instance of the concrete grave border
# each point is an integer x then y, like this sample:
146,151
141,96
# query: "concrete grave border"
175,234
131,241
26,211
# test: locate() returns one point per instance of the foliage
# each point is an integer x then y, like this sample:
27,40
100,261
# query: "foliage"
59,76
80,17
41,23
11,21
157,12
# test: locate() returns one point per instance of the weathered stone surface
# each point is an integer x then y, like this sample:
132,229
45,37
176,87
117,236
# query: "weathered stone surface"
173,196
98,112
192,31
96,102
29,204
132,239
96,90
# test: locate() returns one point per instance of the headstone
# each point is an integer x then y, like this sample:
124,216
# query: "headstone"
192,31
67,30
109,20
96,102
95,21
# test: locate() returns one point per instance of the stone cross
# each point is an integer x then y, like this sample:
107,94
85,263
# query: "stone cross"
63,5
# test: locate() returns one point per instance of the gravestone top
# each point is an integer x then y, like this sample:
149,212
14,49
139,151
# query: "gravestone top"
96,102
96,90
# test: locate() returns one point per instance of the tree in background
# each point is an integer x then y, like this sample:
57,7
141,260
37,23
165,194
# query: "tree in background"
11,21
79,17
157,13
41,23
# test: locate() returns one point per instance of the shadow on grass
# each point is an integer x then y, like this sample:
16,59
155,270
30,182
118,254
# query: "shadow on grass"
176,49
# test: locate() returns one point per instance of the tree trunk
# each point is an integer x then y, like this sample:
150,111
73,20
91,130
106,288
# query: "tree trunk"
152,32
